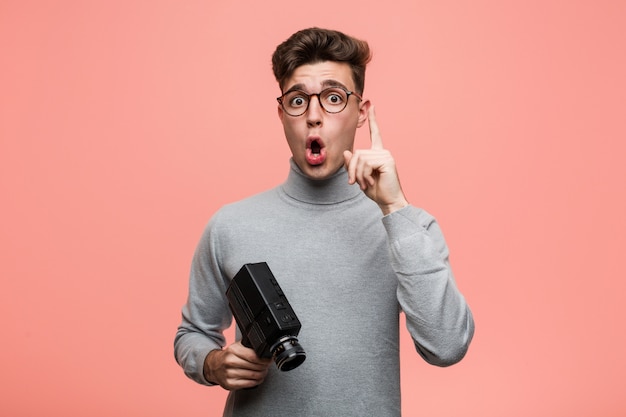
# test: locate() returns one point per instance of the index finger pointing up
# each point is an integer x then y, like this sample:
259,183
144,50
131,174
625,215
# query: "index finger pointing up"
377,140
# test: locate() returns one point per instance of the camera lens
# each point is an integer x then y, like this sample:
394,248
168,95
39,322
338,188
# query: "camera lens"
288,354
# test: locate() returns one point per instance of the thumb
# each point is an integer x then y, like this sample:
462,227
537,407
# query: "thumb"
347,157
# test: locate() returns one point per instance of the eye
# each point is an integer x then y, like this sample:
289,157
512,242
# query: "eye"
334,97
296,100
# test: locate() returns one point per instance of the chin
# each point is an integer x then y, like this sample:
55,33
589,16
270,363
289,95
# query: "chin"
320,172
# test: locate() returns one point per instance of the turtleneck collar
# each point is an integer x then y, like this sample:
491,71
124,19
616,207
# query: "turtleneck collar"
332,190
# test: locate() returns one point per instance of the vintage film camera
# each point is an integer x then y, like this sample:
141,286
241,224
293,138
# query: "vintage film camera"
265,318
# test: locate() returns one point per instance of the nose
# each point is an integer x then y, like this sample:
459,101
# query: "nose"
315,112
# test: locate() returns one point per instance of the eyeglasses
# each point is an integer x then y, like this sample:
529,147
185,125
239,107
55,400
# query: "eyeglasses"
333,100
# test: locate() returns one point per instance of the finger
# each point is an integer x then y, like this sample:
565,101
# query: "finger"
243,381
246,375
377,140
370,169
359,173
348,157
249,357
364,171
356,170
237,368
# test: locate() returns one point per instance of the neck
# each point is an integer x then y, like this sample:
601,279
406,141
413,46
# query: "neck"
332,190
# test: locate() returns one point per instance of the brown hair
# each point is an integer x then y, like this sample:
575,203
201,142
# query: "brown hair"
310,46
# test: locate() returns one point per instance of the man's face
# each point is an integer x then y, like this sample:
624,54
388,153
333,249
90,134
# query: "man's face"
317,139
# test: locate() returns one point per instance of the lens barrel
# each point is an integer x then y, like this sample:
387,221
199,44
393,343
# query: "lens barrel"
288,354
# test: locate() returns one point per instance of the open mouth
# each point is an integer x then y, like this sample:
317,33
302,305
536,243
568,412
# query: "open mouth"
315,151
315,147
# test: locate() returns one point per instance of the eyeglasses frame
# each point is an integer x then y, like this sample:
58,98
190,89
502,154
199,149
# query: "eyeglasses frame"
348,93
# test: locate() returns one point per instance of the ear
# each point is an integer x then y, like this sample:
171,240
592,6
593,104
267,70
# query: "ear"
363,111
281,112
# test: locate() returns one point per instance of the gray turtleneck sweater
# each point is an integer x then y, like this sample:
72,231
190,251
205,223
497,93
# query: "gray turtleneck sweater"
348,272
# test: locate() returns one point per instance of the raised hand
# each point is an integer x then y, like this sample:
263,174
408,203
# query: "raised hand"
375,171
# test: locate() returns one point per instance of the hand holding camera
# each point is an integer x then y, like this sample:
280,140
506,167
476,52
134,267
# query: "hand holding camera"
269,329
236,367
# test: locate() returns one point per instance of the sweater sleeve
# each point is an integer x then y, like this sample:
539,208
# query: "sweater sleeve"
206,315
437,315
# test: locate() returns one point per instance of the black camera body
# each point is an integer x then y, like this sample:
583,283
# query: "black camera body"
265,318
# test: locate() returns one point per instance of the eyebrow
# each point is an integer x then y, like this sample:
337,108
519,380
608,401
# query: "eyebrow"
325,84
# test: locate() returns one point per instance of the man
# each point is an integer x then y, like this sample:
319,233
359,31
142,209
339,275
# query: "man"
346,246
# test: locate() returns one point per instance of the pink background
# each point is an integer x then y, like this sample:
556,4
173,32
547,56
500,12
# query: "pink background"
124,125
